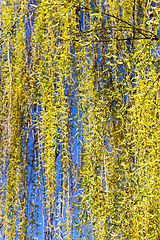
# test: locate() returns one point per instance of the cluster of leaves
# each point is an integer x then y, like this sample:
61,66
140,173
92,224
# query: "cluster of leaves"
79,119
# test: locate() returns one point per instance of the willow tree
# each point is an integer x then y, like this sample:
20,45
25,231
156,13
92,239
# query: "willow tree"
79,114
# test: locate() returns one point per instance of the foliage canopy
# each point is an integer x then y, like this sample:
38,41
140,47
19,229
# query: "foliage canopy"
79,115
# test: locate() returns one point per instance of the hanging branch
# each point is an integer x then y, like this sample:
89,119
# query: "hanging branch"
153,36
123,21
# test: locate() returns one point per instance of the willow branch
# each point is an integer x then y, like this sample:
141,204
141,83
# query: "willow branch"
80,7
121,20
